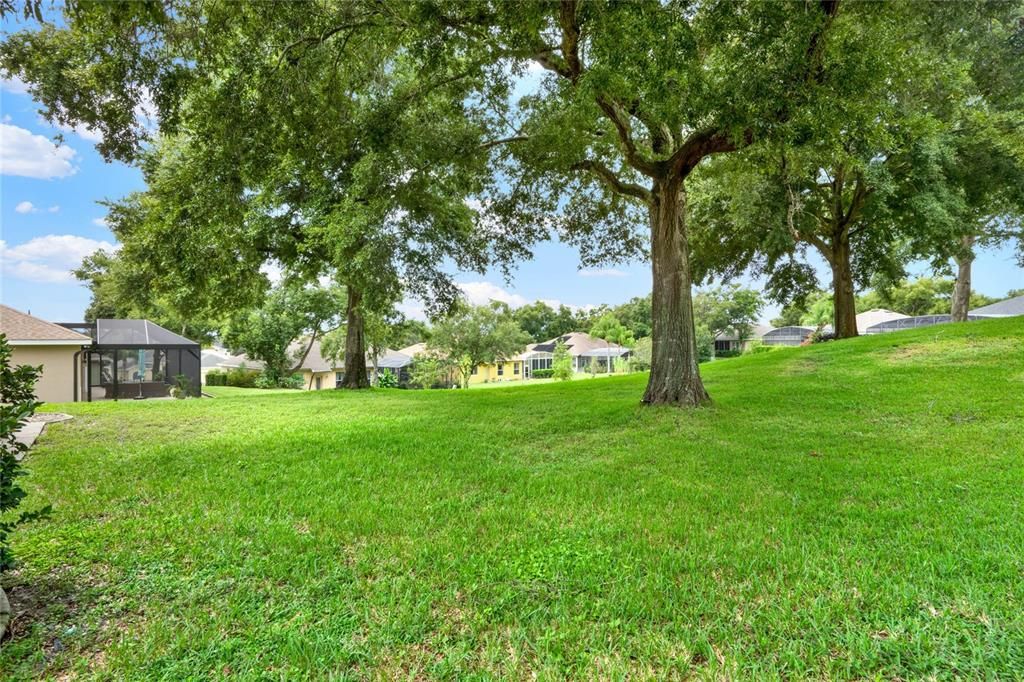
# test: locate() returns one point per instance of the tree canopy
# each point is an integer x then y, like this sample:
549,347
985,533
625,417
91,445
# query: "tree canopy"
475,335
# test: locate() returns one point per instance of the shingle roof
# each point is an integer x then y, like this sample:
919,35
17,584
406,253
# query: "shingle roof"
315,361
221,358
1008,308
578,343
19,326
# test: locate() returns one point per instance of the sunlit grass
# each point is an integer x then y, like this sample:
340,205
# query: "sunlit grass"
849,510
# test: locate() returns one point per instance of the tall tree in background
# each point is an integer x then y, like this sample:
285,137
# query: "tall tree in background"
294,313
731,307
638,95
608,328
892,184
299,134
476,335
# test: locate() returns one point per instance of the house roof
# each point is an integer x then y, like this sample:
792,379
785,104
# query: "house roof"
578,343
220,357
315,361
137,333
1008,308
756,332
790,330
19,326
869,318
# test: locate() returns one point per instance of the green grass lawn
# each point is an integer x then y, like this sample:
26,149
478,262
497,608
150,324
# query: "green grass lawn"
849,510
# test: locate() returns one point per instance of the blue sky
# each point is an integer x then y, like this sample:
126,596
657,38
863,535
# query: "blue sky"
50,219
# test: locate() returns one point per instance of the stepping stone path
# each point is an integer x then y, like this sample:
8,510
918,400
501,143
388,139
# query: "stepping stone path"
28,433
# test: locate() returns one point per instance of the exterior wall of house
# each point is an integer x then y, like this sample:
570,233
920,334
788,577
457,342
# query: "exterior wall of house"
309,380
510,370
55,385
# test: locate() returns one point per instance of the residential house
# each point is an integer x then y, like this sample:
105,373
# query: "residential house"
729,341
37,342
220,359
792,335
583,348
319,373
1011,307
112,359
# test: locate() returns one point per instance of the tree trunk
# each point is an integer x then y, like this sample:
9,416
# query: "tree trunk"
355,343
675,377
962,288
843,301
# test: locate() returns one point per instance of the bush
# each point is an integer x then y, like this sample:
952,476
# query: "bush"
263,381
182,387
757,347
821,336
387,379
561,362
728,353
242,377
294,381
216,377
17,404
543,373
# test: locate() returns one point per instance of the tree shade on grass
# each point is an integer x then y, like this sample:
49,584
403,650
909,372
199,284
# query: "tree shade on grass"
801,527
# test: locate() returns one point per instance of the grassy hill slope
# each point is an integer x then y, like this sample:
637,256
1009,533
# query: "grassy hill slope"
854,509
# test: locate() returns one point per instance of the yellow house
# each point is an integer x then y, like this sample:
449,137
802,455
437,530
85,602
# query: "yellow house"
503,370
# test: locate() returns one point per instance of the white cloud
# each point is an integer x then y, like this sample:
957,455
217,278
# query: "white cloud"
14,85
601,272
482,293
29,207
49,258
33,156
412,309
100,222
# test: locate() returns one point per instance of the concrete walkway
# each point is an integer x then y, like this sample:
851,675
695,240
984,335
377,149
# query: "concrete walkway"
28,433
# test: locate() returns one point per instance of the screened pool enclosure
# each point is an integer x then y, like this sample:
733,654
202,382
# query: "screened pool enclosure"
135,359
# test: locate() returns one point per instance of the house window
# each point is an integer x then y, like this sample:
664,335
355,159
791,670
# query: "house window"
515,368
474,370
723,345
339,379
501,369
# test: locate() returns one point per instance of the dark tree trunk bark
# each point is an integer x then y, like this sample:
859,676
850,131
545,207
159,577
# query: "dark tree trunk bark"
355,343
675,377
844,303
962,288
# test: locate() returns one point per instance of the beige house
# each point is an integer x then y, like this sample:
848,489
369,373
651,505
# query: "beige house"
319,373
38,342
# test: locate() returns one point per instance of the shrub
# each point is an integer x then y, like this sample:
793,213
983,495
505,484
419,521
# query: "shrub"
431,372
243,377
216,377
543,373
728,353
821,336
182,387
758,346
561,362
17,404
387,379
294,381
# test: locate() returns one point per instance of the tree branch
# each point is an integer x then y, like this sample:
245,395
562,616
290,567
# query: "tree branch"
504,140
608,176
699,145
614,113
